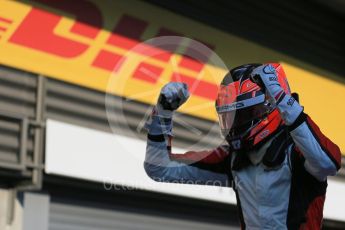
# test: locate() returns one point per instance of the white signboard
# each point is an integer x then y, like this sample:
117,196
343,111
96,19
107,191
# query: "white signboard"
89,154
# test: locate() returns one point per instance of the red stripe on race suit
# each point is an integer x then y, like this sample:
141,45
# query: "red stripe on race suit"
279,95
208,157
331,149
314,214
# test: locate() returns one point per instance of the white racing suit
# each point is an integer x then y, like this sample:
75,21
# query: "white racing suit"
282,186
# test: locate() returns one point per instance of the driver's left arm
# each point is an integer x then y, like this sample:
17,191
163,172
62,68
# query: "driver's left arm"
322,156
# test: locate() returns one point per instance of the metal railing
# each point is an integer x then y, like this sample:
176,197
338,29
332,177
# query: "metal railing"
22,133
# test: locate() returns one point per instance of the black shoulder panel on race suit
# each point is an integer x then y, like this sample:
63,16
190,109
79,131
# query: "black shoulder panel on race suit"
274,155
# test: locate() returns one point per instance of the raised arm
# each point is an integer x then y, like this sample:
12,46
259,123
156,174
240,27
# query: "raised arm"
158,163
322,156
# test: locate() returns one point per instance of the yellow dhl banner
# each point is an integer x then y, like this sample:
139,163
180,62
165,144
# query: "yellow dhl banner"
91,42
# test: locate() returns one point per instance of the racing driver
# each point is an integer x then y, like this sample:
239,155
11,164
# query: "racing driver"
275,158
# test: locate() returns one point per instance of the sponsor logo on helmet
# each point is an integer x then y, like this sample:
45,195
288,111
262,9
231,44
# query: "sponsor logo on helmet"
241,104
264,134
230,107
249,84
236,144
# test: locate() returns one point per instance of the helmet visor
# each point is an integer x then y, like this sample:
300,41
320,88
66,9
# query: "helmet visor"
237,122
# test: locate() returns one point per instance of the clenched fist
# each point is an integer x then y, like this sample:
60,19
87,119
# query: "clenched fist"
171,97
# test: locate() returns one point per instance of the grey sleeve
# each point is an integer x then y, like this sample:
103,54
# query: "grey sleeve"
159,167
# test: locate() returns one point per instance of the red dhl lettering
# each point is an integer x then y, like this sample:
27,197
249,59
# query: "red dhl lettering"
37,32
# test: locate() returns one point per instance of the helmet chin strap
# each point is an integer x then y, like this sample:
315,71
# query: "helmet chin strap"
236,143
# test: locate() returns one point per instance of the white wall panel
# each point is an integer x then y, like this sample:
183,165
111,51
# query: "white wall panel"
84,153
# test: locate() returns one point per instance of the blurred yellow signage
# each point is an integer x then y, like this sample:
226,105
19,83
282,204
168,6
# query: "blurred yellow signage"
92,42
